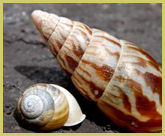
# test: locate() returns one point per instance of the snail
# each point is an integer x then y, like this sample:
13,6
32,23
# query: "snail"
47,107
122,79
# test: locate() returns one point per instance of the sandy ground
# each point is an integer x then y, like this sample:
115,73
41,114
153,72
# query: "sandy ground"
27,60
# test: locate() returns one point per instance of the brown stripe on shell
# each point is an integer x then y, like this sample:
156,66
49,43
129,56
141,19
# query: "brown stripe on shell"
78,80
78,52
85,71
58,44
155,65
151,60
88,29
129,121
44,37
82,91
143,63
58,32
83,33
104,72
132,47
93,88
117,54
73,48
80,88
53,50
50,29
71,62
92,53
108,39
83,26
63,68
67,48
124,97
154,82
144,106
62,61
63,37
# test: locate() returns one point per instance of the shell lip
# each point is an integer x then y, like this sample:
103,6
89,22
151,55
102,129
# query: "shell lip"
75,114
68,124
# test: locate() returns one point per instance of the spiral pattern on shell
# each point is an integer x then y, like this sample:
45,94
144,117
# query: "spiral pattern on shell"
124,80
32,106
44,106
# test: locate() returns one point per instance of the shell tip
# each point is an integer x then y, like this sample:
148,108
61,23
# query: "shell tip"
39,17
35,14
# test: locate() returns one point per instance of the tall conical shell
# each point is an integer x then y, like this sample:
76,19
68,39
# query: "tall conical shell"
124,80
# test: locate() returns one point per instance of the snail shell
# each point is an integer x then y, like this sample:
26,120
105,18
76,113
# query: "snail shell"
124,80
48,107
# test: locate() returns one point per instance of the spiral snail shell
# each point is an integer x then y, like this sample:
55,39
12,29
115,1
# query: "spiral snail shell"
48,107
124,80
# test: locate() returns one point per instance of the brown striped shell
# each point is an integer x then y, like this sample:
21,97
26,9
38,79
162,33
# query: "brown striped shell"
124,80
48,107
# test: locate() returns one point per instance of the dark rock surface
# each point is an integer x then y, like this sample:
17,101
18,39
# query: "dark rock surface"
27,60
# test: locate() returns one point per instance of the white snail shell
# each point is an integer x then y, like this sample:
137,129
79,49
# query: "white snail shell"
48,107
124,80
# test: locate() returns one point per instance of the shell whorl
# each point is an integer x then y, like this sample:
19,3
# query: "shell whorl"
124,80
41,104
48,107
69,45
32,106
